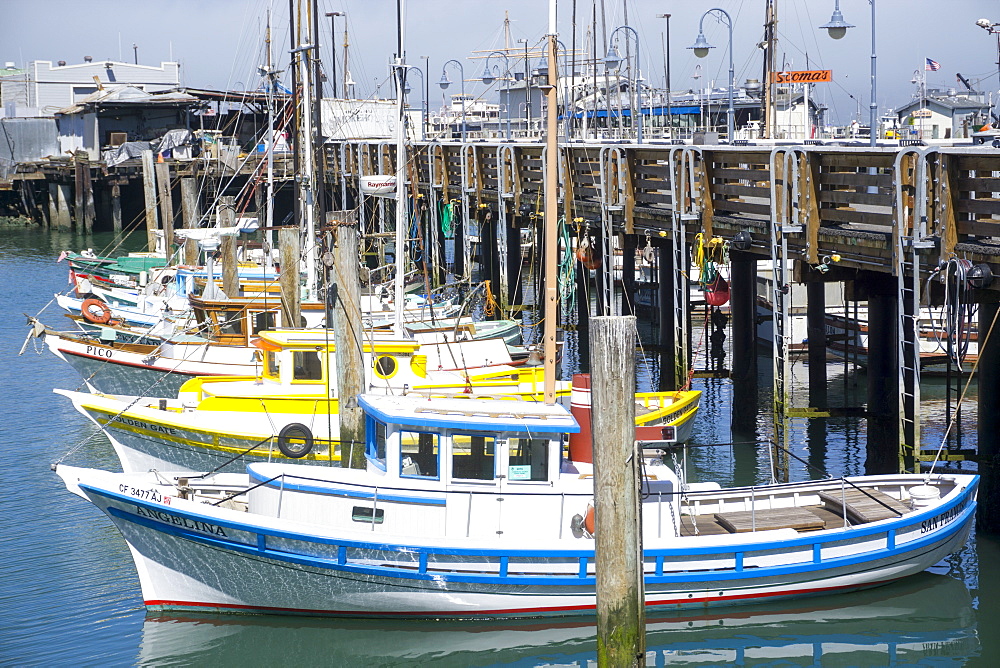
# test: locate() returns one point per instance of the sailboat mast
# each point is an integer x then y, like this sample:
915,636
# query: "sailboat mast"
399,283
306,192
771,40
550,219
269,216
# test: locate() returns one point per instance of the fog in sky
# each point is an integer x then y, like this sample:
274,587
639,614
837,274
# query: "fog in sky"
220,43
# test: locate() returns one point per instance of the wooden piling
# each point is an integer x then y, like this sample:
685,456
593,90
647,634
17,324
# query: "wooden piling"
149,192
344,290
883,382
116,208
665,301
630,242
291,293
164,192
620,592
988,428
85,210
743,308
816,335
190,216
230,275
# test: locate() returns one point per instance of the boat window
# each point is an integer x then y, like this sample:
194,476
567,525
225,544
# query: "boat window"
418,454
270,364
375,436
307,366
231,323
368,515
472,457
264,321
528,459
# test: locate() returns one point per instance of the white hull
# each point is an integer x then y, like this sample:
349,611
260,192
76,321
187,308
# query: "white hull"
206,557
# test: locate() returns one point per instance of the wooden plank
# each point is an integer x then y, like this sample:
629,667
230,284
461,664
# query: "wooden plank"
854,216
741,207
978,228
978,184
864,506
752,175
855,179
854,197
800,519
981,206
742,191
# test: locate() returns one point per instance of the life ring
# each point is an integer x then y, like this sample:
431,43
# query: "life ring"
589,522
95,311
295,440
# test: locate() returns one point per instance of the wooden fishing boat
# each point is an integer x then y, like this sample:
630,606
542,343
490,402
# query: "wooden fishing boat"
421,531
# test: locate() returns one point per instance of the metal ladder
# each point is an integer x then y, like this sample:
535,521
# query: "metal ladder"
612,199
684,210
785,219
909,236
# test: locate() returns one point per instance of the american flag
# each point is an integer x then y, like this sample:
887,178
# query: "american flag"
932,65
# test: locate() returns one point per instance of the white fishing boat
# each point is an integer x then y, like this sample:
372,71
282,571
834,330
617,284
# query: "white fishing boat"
422,532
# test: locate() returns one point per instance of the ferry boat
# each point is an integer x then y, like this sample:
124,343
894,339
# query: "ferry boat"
422,533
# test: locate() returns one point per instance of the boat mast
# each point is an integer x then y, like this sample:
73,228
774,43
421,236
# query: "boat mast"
771,49
550,218
269,215
306,191
399,282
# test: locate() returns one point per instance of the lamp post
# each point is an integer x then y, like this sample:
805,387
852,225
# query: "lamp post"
445,82
993,29
701,47
488,79
527,90
423,89
837,28
921,81
333,48
613,60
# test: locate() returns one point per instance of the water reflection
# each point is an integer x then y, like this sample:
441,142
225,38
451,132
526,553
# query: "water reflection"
924,617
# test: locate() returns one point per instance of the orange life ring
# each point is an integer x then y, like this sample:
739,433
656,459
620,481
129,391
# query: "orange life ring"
589,522
95,311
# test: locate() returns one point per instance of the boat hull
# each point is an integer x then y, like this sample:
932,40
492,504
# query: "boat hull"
198,557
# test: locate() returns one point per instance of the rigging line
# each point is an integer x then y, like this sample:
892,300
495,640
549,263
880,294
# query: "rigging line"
965,390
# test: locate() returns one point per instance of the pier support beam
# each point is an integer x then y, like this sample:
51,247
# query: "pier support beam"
743,308
59,194
230,274
988,381
85,212
816,335
883,382
149,192
190,216
164,193
618,542
628,274
664,296
291,293
116,208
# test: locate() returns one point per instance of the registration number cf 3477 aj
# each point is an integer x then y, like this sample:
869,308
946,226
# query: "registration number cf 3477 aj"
144,494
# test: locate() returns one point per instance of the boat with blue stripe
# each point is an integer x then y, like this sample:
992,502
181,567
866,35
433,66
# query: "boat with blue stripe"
471,508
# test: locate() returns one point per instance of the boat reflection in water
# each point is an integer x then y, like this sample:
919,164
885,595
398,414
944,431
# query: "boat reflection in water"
926,616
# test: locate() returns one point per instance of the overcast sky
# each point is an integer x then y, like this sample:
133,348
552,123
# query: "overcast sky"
220,43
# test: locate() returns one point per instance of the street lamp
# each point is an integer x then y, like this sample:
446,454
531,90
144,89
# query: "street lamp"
488,78
333,48
701,47
423,88
445,82
836,28
614,59
993,29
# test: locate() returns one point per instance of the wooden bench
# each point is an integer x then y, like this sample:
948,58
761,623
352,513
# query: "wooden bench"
742,521
864,506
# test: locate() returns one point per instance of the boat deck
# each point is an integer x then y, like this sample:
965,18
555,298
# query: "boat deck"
862,507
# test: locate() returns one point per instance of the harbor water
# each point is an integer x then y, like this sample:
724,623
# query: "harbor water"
71,597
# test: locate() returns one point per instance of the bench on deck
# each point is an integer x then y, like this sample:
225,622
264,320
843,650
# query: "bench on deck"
742,521
864,506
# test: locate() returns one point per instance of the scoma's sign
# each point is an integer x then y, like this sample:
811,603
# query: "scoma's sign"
803,76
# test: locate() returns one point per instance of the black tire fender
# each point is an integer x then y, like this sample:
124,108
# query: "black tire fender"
295,440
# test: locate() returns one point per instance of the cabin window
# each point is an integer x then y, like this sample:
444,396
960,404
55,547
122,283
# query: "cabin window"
418,454
264,321
375,442
472,457
368,515
270,363
231,323
528,459
307,365
386,366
